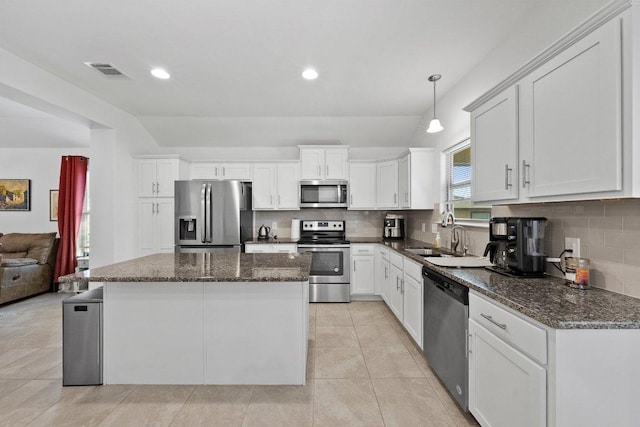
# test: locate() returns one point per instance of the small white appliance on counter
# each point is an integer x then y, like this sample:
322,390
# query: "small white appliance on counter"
295,229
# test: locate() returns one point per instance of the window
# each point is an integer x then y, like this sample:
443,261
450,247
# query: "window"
82,245
458,184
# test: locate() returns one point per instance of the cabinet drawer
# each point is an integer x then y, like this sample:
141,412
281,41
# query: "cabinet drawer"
285,248
256,248
509,327
361,249
413,269
396,259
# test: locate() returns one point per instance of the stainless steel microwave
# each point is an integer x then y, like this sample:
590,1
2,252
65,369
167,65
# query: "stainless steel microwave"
324,194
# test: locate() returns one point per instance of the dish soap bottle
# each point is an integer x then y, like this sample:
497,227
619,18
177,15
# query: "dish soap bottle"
437,242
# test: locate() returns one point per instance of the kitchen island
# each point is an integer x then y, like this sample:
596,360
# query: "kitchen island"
228,318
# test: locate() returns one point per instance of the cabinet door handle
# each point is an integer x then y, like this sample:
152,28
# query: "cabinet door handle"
153,208
490,319
397,283
216,172
507,173
271,197
354,265
279,200
157,208
469,337
402,286
351,197
223,172
153,188
395,198
525,166
327,170
386,273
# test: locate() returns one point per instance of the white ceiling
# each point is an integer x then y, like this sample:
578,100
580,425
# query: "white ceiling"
236,64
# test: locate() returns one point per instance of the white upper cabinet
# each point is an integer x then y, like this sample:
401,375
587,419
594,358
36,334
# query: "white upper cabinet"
404,189
275,186
362,186
387,184
557,129
323,163
416,178
156,177
288,185
264,186
494,148
571,119
335,165
222,171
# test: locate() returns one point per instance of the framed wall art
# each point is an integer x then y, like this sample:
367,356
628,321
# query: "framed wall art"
53,205
15,194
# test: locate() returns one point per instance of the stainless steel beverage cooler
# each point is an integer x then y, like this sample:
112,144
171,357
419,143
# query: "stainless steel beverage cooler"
82,339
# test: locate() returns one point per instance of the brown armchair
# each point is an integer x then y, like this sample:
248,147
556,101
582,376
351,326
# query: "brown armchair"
27,264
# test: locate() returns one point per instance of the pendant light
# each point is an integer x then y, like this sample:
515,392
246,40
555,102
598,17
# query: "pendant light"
434,125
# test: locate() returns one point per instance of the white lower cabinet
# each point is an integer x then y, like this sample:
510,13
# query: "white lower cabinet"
395,300
155,225
412,300
362,269
270,248
506,388
382,271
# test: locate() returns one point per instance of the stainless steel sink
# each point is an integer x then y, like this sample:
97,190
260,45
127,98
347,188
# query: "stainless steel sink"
424,251
429,252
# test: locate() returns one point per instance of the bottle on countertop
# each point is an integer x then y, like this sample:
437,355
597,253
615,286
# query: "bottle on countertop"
437,242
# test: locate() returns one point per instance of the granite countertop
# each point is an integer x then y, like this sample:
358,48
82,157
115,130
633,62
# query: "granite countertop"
202,267
547,300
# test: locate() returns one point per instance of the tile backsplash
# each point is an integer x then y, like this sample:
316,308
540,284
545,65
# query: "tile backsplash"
358,223
609,233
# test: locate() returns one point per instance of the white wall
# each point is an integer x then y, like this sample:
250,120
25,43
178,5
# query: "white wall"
110,154
42,167
547,22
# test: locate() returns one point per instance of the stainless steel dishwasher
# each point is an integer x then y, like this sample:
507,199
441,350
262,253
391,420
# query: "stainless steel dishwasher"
446,320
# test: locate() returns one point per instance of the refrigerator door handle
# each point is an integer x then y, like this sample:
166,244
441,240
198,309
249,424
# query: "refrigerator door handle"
203,212
208,214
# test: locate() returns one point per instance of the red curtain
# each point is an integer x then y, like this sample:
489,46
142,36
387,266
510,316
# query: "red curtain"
73,180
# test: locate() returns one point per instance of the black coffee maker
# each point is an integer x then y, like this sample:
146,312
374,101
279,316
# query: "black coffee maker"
497,246
517,246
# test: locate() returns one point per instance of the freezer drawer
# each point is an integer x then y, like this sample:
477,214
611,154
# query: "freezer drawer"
82,339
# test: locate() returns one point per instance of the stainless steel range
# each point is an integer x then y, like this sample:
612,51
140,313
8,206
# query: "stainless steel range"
329,276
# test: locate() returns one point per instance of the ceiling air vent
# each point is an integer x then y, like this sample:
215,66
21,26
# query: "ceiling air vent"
107,69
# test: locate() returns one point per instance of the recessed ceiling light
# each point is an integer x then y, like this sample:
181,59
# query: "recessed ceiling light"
160,73
310,74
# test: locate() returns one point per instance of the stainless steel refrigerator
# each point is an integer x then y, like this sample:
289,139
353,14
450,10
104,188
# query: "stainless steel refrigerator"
212,216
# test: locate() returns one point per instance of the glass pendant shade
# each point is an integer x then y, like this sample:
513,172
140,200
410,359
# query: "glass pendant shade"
434,126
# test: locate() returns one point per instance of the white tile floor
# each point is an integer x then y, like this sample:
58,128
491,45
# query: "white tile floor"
363,370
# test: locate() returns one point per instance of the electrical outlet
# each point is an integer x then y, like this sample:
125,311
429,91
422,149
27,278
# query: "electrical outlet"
573,243
274,225
424,227
434,227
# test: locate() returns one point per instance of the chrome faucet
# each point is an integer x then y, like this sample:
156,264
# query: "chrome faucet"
458,236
